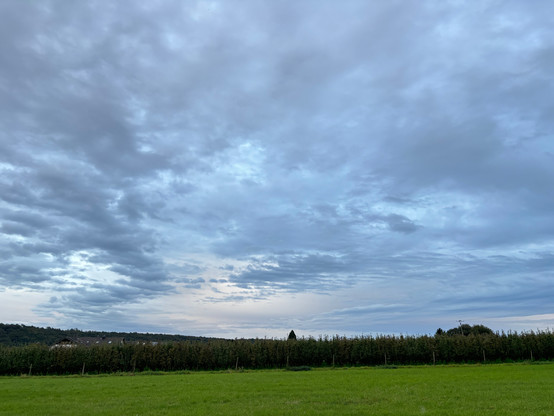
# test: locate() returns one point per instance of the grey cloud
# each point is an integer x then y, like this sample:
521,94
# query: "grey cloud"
522,296
319,272
20,275
15,228
28,219
186,269
228,267
191,283
16,249
400,223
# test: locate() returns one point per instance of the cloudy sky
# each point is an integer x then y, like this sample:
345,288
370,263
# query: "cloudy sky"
243,168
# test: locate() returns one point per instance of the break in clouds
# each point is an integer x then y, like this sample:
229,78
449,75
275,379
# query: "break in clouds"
244,167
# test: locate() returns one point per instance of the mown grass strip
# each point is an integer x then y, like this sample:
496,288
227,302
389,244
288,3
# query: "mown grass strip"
516,389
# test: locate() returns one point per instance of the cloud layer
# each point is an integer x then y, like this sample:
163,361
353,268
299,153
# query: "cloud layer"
245,167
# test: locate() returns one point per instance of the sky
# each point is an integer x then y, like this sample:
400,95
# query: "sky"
244,168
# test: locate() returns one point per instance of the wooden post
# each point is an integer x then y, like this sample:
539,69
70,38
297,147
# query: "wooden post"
434,358
237,364
333,360
484,358
30,369
531,355
385,358
83,370
287,361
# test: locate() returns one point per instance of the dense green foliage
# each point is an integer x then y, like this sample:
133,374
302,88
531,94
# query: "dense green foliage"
15,334
271,353
466,330
507,389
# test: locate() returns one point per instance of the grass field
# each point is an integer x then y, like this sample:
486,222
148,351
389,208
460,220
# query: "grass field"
500,389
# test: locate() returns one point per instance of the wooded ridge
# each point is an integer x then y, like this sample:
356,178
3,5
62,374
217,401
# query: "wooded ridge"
19,335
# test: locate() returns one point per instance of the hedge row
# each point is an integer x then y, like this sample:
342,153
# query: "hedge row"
271,353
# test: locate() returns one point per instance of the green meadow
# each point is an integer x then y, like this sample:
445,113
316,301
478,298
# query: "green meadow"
495,389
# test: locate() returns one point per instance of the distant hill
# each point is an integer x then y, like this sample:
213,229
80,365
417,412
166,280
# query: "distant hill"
15,334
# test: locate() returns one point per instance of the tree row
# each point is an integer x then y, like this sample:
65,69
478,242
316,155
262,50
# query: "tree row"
272,353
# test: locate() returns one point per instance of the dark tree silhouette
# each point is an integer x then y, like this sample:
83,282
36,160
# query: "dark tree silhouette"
292,335
467,330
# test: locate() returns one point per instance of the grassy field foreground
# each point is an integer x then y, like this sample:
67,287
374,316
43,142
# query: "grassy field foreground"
503,389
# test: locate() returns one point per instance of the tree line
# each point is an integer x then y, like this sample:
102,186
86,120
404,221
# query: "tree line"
218,354
16,334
